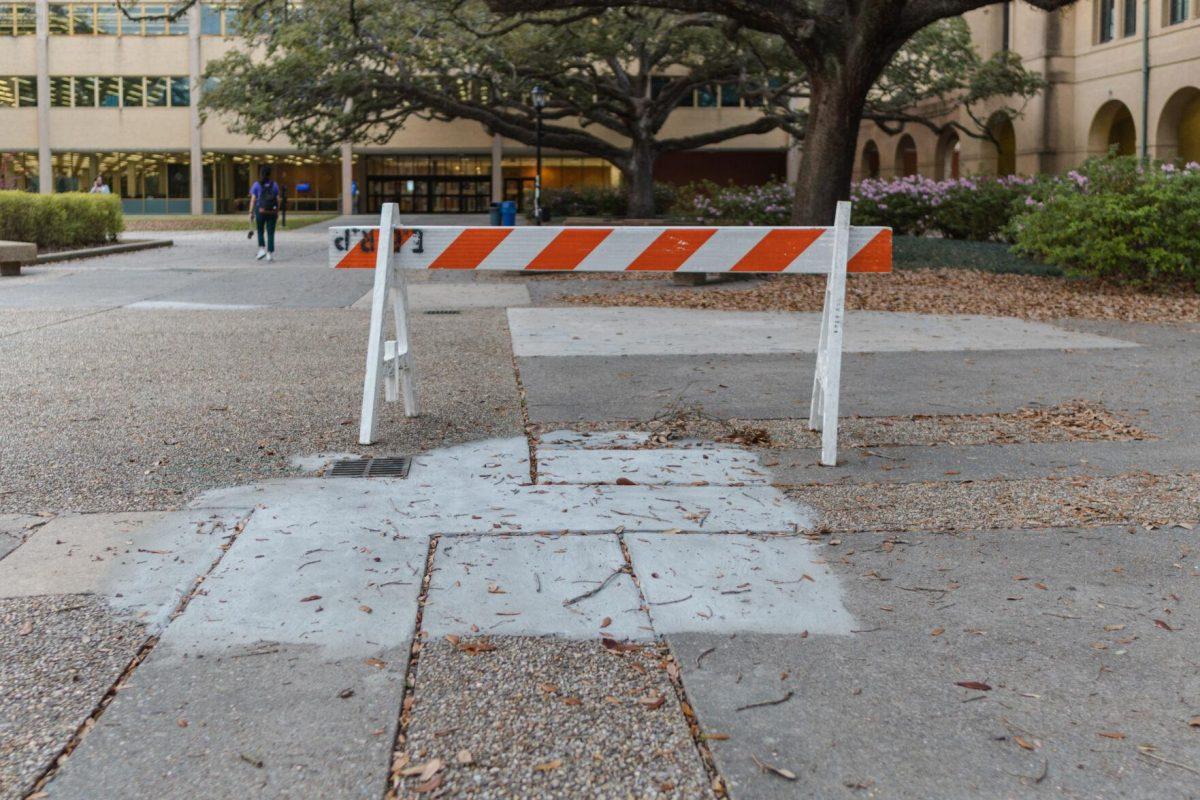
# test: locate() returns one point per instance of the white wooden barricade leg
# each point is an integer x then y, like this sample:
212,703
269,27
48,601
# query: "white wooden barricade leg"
389,359
823,411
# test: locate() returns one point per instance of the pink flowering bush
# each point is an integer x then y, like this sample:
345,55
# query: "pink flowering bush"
975,208
708,202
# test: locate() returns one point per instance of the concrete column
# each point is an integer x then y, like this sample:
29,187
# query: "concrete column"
497,168
347,178
793,161
196,153
45,170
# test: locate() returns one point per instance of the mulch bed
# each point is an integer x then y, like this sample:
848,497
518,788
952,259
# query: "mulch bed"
930,291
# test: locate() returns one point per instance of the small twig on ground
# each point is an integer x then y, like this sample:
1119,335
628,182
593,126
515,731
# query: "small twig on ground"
595,591
764,703
1160,759
670,602
700,657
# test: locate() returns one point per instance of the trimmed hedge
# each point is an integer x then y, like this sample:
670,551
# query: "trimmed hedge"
68,219
594,201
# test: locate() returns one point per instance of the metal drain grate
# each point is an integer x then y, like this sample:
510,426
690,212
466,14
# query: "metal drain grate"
443,311
383,467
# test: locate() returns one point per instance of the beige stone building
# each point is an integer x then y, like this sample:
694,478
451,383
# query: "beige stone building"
85,91
1121,73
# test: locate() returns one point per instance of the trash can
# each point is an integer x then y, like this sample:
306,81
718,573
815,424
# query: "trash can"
494,214
508,213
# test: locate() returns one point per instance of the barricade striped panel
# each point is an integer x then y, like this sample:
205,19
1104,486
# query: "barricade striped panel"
616,249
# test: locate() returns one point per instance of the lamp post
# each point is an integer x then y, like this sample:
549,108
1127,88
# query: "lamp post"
538,96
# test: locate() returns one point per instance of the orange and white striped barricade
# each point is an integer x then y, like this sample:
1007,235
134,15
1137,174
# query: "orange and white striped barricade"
392,248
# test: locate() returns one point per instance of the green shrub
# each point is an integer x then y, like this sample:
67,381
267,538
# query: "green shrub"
1120,219
595,201
69,219
979,209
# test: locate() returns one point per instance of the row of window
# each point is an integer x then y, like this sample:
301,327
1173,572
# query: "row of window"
1119,18
719,96
106,19
106,91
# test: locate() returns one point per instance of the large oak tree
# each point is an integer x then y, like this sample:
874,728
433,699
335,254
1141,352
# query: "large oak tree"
843,45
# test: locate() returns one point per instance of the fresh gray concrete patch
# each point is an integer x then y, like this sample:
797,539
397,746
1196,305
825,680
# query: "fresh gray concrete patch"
727,583
141,563
454,296
533,586
544,718
491,494
673,331
718,466
14,528
1089,696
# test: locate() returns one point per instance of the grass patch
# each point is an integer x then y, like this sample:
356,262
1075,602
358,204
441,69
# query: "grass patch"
212,222
917,252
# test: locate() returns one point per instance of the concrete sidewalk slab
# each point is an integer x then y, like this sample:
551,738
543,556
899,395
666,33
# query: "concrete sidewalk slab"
546,718
729,583
1087,689
620,331
455,296
141,563
568,389
283,678
522,586
716,466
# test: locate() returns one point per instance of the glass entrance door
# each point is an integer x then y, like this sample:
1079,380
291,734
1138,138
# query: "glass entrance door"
429,194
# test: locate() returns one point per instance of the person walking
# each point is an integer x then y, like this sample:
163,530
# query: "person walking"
266,199
99,186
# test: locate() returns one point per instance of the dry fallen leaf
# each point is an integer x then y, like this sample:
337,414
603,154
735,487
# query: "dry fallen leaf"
1111,735
26,628
547,766
376,663
604,623
464,757
978,685
310,598
653,701
765,767
1025,743
937,631
429,785
619,647
1162,624
474,647
365,609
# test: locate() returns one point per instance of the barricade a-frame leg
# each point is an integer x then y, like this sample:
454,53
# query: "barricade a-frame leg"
388,359
823,411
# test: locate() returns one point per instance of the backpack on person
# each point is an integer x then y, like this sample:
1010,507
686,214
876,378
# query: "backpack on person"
268,199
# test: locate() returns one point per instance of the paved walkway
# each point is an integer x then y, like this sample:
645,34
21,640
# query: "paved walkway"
561,600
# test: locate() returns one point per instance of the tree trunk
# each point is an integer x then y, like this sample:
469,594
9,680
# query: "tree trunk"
638,177
829,147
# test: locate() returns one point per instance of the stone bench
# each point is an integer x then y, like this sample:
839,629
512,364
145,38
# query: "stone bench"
13,255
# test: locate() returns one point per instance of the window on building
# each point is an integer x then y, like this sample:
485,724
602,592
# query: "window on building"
108,19
153,21
1108,20
210,20
18,19
1178,11
85,91
133,92
1129,28
18,92
109,92
8,92
60,91
179,25
731,95
60,19
156,92
706,97
181,93
657,84
83,18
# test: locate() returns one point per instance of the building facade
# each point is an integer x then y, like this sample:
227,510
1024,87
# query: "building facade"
1122,74
85,92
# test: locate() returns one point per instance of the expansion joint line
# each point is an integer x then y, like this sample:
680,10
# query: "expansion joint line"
675,675
531,431
392,787
141,655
